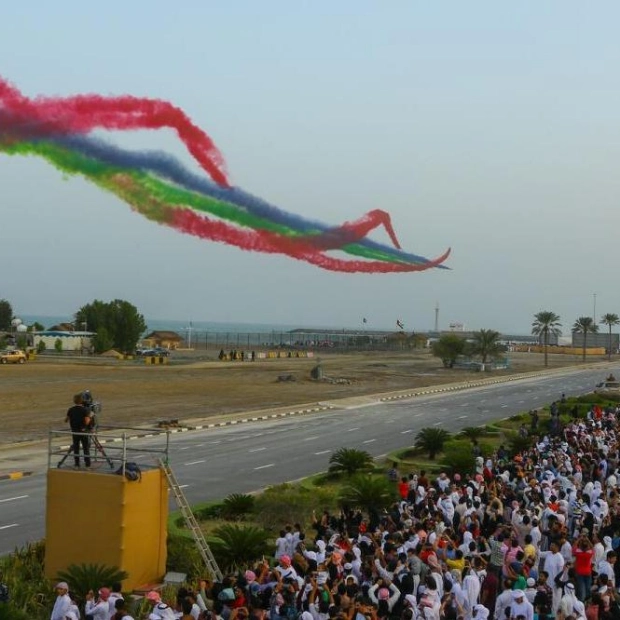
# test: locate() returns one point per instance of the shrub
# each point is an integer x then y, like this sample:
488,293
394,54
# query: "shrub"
285,503
58,345
184,557
84,577
370,493
41,346
517,444
473,432
350,461
235,546
458,456
431,439
237,505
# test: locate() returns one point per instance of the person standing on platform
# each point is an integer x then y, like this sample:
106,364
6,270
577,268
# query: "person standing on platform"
78,417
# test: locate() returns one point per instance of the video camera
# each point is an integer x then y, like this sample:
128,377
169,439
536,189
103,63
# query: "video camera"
94,408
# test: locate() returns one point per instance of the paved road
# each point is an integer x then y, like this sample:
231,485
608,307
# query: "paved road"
211,464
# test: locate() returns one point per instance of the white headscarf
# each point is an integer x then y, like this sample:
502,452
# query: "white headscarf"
480,612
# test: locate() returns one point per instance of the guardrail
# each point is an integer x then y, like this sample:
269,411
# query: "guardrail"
108,447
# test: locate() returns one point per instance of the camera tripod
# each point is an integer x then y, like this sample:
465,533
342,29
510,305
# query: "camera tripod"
98,448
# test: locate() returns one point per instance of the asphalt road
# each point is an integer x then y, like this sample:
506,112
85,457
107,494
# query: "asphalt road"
211,464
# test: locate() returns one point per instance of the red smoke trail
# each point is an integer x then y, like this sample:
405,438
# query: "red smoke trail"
83,113
309,249
352,232
272,243
187,221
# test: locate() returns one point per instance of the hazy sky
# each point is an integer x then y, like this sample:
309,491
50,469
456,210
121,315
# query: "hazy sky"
491,127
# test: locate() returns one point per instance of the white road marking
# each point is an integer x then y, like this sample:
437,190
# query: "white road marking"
6,527
199,445
194,462
350,430
185,448
504,406
214,442
405,432
265,466
461,417
444,409
437,423
258,449
520,402
183,486
464,404
12,499
322,452
311,438
369,441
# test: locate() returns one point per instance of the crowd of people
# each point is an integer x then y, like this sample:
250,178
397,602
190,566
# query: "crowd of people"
531,535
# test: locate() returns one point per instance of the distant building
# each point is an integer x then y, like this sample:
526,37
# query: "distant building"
165,339
71,340
600,339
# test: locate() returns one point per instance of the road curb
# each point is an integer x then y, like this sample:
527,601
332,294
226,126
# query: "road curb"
15,475
198,427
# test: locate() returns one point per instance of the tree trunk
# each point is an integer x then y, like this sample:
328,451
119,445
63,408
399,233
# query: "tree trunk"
609,352
546,348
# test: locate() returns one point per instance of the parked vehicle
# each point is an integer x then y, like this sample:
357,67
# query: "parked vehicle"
12,356
154,352
611,384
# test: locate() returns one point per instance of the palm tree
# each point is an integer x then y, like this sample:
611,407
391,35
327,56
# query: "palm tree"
610,320
237,505
234,545
546,324
371,493
84,577
431,439
585,325
350,461
486,344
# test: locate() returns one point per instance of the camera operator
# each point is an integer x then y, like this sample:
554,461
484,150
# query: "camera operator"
79,419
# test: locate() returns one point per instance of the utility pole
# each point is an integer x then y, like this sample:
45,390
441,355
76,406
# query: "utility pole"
594,314
437,317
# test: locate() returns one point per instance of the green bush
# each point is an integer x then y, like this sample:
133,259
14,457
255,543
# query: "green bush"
235,546
85,577
458,456
286,503
432,439
184,557
213,511
58,345
237,506
350,461
41,346
517,444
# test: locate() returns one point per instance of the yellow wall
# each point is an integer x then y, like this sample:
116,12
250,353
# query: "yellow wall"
103,518
561,350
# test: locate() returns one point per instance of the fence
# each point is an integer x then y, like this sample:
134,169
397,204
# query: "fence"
315,341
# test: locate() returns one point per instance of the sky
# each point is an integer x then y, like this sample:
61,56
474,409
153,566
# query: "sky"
488,127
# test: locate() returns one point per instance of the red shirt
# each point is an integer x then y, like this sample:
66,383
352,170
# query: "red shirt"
583,560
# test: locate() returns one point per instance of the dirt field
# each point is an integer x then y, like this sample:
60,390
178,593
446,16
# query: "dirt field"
34,397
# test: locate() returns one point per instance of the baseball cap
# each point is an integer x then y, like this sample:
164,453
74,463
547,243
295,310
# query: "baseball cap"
63,585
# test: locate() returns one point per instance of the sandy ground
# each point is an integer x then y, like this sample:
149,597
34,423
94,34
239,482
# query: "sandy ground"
35,396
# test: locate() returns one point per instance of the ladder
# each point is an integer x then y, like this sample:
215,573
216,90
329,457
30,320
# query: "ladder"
191,522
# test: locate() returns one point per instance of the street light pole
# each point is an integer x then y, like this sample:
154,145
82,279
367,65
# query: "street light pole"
594,315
